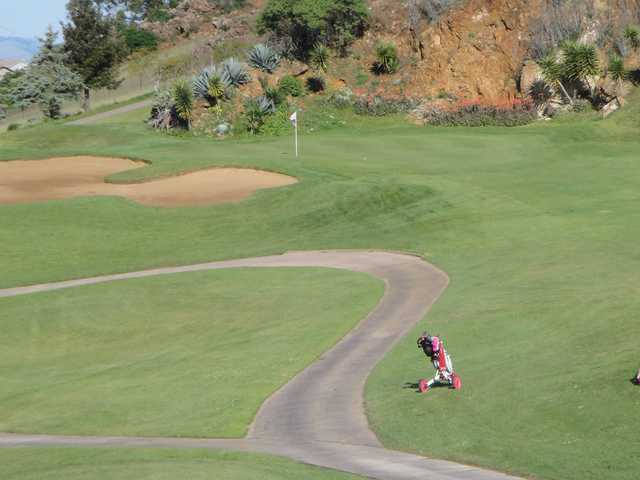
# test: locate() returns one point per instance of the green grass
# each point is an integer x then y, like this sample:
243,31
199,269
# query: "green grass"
190,354
536,226
152,464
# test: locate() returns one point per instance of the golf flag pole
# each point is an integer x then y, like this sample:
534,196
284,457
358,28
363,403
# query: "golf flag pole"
294,121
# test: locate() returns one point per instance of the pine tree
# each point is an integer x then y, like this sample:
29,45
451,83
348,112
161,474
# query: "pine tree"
93,47
47,81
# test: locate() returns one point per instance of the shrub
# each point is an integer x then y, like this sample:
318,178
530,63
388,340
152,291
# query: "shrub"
264,58
291,85
277,123
319,57
183,101
305,23
342,98
616,69
380,106
275,94
477,114
632,35
208,85
387,59
256,111
163,114
540,92
13,127
316,84
139,39
234,73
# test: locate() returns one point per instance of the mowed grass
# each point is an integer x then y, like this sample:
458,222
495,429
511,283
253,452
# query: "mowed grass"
192,354
152,464
537,228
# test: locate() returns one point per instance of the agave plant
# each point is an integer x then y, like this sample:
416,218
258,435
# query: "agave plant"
209,85
263,58
616,68
183,100
234,73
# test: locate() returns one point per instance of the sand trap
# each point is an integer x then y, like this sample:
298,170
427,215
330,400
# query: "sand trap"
24,181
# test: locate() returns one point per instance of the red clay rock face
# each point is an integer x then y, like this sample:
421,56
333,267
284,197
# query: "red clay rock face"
476,51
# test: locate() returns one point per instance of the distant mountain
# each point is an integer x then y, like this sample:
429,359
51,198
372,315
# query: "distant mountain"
17,48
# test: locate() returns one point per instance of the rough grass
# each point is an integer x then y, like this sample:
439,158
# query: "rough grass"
537,227
191,354
152,464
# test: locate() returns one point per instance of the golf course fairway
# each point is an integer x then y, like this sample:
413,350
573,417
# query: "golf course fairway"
536,227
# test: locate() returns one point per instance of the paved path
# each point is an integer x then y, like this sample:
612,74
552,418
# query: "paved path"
98,117
318,417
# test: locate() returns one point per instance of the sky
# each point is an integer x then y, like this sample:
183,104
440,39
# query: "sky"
30,18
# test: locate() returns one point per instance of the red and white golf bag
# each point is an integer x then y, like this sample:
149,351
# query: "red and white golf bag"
433,348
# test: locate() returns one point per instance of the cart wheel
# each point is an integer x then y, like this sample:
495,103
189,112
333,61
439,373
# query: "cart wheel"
423,386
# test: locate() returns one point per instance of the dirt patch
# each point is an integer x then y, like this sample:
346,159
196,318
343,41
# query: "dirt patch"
25,181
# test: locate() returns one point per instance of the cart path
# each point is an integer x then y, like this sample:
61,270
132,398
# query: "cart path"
96,118
318,417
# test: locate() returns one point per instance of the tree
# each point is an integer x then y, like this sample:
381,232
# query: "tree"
47,81
94,50
305,23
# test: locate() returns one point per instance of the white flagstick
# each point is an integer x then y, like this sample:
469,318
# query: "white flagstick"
294,120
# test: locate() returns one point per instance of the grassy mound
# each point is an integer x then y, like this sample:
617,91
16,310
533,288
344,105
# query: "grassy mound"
182,355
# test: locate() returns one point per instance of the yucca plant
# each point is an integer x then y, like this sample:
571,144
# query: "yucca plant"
183,100
580,61
263,58
616,68
387,61
540,92
234,73
632,35
553,73
319,57
208,84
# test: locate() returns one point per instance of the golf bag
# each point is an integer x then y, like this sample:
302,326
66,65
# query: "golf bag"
434,349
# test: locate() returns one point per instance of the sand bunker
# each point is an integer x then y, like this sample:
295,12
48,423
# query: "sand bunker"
24,181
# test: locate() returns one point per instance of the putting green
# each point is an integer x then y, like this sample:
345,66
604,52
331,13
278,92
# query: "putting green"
152,464
192,354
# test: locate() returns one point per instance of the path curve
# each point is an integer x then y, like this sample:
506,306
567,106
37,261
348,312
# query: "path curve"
318,417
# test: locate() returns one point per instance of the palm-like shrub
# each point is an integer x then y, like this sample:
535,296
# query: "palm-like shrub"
386,59
541,93
632,35
209,85
580,61
263,58
616,68
183,101
256,111
290,85
234,73
319,57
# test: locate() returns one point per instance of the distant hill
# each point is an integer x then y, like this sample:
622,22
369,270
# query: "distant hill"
17,48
